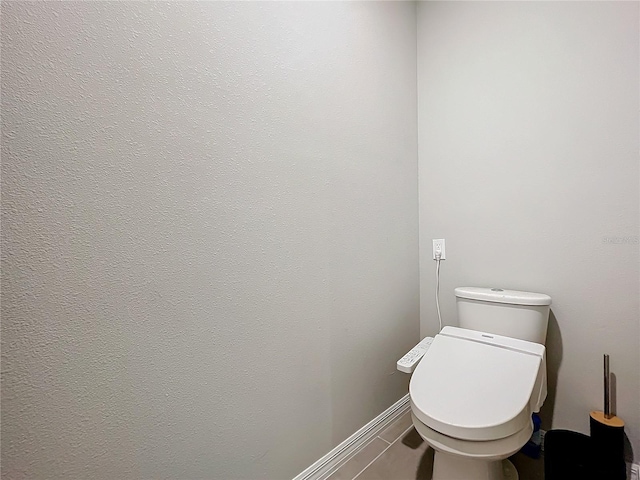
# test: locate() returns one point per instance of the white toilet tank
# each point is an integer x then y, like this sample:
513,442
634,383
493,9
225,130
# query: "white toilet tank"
510,313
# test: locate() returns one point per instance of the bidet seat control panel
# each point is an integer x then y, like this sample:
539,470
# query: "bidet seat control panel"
408,363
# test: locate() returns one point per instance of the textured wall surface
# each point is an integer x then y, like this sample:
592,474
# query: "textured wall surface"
210,241
528,147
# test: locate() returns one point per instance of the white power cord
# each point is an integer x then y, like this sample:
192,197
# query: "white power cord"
438,254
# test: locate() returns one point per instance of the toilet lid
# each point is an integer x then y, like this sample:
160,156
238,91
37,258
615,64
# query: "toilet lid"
476,386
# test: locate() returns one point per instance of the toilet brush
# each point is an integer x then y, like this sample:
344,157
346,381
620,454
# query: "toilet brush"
607,436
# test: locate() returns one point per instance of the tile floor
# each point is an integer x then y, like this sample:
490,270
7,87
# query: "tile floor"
399,453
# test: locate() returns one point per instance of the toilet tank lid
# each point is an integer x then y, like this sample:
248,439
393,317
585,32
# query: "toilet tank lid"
499,295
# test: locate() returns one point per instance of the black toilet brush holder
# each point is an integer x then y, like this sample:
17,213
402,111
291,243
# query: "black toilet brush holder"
607,437
597,457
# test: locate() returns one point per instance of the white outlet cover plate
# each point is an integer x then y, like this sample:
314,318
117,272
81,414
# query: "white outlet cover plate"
439,242
635,472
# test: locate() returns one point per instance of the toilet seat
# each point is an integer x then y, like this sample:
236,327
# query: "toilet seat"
487,450
476,386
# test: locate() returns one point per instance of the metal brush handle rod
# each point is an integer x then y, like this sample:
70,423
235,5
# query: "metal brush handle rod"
607,388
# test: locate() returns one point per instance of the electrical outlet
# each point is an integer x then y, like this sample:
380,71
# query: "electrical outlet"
635,472
438,246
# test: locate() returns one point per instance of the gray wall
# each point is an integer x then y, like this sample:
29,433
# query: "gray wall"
210,241
528,147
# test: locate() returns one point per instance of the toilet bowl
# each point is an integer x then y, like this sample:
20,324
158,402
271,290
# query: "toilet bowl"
472,396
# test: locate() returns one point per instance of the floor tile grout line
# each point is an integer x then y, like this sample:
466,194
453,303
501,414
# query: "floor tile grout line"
397,420
361,448
368,464
382,452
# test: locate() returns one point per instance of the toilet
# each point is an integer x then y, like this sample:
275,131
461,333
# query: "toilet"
474,391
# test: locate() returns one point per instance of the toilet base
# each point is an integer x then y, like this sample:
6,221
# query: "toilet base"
455,467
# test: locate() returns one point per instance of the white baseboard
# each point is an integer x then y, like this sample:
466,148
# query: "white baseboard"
326,465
